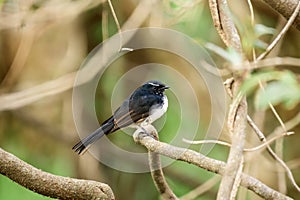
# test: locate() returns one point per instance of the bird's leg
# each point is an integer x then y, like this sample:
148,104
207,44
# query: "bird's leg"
143,131
146,122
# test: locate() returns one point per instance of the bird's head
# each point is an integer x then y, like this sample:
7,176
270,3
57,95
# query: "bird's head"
155,86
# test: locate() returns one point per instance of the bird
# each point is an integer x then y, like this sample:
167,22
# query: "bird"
145,105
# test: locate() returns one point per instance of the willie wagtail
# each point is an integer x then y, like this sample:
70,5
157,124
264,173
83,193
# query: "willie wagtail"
146,104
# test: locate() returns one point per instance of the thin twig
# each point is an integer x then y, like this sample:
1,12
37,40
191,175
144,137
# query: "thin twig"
273,154
117,23
282,32
271,62
251,11
276,114
268,142
252,124
281,176
259,147
104,25
253,24
286,168
293,122
267,62
290,124
207,142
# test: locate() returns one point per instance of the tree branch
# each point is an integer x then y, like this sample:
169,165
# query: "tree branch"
222,20
155,167
204,162
282,32
51,185
238,111
285,8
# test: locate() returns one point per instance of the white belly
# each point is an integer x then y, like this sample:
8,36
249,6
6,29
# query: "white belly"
159,111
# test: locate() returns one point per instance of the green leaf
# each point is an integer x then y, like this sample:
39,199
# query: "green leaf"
260,44
173,5
252,82
234,57
263,30
289,77
285,91
282,87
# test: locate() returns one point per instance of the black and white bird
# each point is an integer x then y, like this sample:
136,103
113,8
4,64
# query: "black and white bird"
145,105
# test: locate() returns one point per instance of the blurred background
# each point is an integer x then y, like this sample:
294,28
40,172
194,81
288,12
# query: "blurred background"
45,40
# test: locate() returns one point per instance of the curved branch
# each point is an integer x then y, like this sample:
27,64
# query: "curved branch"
282,33
223,23
285,8
48,184
155,166
204,162
158,177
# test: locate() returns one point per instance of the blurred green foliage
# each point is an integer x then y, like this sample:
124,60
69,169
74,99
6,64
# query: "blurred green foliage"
281,87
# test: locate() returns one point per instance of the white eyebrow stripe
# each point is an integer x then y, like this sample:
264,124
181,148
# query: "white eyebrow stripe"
154,84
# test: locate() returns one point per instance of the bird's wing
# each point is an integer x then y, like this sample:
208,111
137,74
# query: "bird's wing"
133,110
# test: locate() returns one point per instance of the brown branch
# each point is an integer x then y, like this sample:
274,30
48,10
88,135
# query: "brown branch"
270,150
158,177
222,20
48,184
289,125
117,23
232,176
271,62
238,111
282,33
285,8
256,148
155,167
204,162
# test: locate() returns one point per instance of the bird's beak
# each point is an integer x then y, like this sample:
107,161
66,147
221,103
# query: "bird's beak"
166,87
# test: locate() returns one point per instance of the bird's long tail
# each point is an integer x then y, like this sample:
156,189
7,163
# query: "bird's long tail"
81,146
